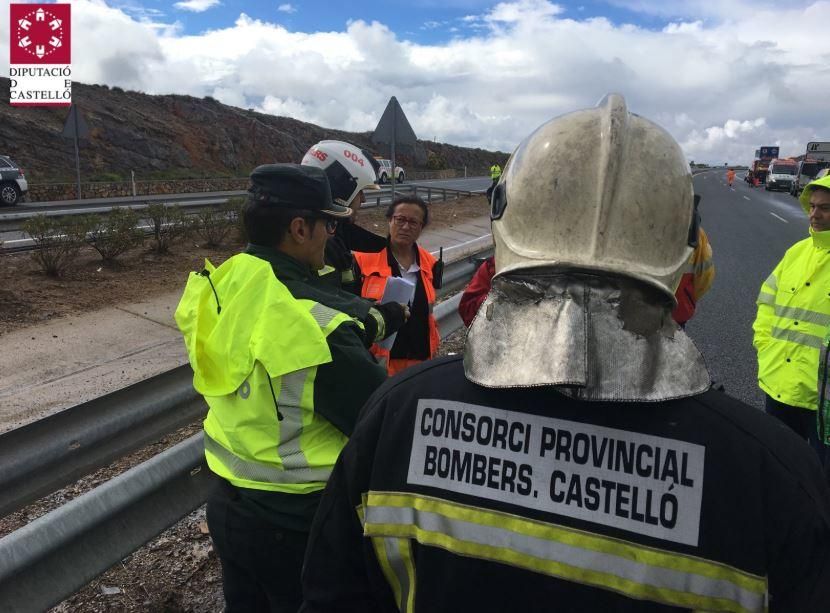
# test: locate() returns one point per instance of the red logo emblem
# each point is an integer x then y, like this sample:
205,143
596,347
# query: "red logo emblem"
40,34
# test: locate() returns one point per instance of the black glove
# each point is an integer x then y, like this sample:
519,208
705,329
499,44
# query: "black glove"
393,316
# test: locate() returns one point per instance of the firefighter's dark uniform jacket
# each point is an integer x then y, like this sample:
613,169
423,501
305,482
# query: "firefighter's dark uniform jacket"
454,497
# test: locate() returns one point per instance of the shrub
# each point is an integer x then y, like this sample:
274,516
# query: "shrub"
113,234
168,224
237,207
436,161
107,177
57,241
214,223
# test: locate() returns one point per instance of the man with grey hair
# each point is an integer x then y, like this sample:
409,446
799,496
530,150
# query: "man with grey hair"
575,459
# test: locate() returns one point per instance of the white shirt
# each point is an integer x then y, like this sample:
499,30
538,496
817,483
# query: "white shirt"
410,274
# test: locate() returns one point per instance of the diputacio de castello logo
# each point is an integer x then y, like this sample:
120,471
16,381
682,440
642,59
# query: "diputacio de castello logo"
40,54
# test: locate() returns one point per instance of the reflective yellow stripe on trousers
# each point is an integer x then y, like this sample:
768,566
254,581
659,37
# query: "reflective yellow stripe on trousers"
636,571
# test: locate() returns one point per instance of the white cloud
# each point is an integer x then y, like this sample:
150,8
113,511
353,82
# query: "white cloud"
523,10
722,87
196,6
287,8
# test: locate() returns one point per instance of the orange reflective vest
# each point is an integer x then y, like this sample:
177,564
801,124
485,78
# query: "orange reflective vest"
376,270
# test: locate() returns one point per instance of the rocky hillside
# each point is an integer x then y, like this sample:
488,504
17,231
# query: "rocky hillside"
167,137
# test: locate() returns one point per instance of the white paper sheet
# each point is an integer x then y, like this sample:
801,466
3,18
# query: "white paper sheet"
399,290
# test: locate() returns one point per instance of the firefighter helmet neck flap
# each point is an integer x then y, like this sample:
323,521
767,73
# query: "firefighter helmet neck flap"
592,220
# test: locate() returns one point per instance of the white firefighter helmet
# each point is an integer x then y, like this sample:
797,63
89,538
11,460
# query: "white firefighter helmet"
348,168
601,190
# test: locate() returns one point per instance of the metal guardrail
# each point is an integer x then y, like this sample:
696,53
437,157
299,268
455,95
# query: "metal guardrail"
53,556
13,221
44,456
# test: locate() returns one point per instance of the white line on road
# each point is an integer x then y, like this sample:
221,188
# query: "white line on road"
746,197
778,217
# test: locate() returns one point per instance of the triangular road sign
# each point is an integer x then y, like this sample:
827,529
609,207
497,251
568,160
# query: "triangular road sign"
393,127
69,128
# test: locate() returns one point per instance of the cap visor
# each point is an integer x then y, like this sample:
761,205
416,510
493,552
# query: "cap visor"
335,210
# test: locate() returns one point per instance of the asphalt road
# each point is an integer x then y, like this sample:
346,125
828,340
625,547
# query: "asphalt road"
472,184
750,229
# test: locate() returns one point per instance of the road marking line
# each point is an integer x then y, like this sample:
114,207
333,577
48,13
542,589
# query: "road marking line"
747,197
779,217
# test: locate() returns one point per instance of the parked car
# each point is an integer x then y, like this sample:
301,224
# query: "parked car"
13,185
385,172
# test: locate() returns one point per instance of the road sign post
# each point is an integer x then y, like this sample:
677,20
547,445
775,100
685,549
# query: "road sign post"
76,128
393,128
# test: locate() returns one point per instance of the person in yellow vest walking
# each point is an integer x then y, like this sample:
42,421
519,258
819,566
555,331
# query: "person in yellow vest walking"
280,357
793,314
495,175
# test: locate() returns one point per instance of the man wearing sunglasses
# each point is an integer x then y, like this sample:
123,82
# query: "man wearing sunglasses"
281,360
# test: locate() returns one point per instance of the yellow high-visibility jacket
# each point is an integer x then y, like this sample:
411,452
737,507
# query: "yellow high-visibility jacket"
256,363
793,315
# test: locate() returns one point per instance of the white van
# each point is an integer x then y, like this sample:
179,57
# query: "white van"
781,175
807,171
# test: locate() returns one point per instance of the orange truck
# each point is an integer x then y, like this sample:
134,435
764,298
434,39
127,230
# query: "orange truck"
759,171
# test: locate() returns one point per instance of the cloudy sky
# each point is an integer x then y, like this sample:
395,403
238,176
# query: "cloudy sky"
723,77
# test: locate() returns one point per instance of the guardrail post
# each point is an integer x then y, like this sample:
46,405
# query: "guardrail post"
378,202
444,195
429,194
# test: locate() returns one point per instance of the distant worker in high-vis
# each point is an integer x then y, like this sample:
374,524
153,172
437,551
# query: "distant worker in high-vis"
575,458
495,175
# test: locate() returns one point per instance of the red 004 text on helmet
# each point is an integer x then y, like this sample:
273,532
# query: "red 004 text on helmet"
351,155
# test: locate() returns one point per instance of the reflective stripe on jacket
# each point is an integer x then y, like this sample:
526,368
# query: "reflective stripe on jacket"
376,270
261,431
793,314
431,509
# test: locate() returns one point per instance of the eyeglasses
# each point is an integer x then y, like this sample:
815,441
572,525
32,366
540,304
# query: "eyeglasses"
401,221
331,223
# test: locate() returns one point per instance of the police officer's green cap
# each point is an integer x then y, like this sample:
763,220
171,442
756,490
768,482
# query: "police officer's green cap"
294,187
